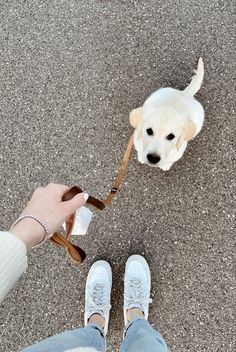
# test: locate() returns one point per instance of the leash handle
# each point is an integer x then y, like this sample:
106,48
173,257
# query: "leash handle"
73,191
76,253
68,195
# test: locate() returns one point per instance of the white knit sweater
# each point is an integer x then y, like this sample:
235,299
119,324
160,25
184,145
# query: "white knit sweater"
13,263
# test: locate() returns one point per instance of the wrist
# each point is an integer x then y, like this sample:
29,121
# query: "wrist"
29,231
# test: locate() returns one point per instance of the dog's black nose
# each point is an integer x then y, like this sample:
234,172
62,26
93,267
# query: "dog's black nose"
153,158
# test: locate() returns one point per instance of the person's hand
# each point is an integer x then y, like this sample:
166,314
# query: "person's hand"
46,203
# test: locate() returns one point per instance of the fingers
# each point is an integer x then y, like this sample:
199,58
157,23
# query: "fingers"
57,188
57,191
75,203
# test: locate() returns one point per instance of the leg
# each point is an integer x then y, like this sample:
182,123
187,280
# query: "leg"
139,335
96,316
91,337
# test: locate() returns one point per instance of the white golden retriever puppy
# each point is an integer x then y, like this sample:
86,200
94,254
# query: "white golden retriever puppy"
166,122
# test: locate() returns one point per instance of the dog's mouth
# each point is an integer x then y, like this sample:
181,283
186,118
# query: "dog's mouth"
151,165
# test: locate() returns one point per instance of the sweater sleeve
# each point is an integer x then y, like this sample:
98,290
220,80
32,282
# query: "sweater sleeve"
13,261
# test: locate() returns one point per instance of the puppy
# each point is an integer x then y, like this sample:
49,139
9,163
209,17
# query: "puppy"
166,122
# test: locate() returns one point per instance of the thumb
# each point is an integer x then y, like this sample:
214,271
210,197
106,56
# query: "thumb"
75,203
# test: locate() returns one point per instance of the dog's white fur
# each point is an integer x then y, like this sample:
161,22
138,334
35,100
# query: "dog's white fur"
168,111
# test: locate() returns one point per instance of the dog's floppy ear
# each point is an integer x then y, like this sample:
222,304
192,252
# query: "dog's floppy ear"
188,133
135,117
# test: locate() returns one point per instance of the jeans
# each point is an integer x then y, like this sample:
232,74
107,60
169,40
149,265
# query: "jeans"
139,337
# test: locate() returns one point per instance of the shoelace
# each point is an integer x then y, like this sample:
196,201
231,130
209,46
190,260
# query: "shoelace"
137,293
97,299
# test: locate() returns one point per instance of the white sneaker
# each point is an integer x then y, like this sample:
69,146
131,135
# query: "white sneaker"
137,285
98,292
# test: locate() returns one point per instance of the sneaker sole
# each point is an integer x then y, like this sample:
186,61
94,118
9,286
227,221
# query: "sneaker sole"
145,265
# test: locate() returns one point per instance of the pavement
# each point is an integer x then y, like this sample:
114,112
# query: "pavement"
70,72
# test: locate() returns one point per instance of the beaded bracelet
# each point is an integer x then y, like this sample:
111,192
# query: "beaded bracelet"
47,235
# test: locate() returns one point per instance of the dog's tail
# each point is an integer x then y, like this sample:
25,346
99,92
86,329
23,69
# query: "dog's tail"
196,80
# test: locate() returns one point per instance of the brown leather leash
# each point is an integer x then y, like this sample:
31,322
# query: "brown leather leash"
76,254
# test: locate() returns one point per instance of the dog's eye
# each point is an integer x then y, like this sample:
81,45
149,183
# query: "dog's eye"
170,136
149,131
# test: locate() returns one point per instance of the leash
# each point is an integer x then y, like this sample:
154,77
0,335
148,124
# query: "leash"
75,253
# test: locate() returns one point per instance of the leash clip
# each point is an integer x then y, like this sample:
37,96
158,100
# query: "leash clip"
114,190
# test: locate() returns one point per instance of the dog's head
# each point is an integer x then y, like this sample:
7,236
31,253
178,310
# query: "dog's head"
159,131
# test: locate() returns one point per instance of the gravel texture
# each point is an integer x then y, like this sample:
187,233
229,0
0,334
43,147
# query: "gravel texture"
70,72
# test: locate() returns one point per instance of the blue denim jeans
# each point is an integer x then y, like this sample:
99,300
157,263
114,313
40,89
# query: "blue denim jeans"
139,337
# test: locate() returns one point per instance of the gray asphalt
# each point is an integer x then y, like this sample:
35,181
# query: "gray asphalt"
70,72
